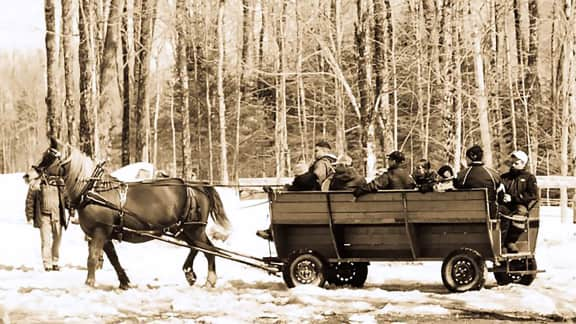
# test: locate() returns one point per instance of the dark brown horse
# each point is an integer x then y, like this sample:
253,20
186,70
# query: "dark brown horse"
110,209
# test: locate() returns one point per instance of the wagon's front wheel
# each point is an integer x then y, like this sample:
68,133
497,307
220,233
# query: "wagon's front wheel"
304,267
348,273
463,270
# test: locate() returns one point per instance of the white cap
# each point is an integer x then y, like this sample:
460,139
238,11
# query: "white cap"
520,155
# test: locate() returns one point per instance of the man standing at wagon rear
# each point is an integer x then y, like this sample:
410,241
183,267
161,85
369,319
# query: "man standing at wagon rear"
45,208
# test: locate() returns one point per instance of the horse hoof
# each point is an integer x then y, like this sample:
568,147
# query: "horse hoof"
190,277
90,283
124,286
209,284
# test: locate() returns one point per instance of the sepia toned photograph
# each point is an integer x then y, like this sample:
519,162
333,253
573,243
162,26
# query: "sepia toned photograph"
287,161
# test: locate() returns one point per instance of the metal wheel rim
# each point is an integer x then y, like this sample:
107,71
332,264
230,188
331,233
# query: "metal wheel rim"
305,272
346,272
463,272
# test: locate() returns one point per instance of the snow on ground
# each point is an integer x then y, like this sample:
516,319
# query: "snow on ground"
400,291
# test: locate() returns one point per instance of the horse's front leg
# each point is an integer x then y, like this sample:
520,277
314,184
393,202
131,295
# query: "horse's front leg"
113,258
95,245
188,267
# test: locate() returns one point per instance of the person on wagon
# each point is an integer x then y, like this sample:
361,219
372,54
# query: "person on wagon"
424,176
477,175
303,180
317,177
394,177
45,209
322,168
521,195
345,175
445,179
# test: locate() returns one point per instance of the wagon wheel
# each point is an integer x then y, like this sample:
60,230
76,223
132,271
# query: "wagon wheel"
463,270
304,267
348,273
504,278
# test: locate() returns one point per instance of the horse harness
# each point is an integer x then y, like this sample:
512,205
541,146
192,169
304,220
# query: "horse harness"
90,194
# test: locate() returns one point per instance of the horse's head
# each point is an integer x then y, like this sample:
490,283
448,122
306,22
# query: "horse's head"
51,163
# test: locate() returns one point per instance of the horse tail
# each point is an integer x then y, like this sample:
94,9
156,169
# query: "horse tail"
217,211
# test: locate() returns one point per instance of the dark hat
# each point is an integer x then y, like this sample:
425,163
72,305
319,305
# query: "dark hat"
475,153
396,156
324,143
445,168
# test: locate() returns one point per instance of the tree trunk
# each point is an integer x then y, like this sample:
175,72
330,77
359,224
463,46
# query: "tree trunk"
281,136
241,87
367,140
87,77
481,98
532,82
142,99
109,78
52,116
127,77
382,74
221,99
69,77
340,119
182,85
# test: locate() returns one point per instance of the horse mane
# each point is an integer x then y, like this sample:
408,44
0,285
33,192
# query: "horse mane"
80,170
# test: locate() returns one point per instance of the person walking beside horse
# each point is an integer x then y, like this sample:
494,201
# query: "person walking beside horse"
45,209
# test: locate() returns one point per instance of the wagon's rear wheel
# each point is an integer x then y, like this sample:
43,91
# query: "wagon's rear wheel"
304,267
463,270
504,278
347,273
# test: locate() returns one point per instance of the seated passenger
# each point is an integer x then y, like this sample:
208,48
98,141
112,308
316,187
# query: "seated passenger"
395,177
345,176
521,195
477,175
445,179
424,176
303,180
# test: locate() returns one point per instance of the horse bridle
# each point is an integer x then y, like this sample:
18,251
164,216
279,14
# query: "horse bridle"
51,156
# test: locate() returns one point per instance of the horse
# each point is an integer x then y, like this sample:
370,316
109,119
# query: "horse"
110,209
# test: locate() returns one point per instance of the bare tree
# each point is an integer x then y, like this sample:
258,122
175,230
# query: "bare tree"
87,60
221,99
52,119
69,77
481,97
127,56
147,12
109,77
182,85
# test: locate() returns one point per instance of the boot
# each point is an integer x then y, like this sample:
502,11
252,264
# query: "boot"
265,234
511,248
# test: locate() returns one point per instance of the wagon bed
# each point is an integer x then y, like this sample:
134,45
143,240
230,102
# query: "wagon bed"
395,225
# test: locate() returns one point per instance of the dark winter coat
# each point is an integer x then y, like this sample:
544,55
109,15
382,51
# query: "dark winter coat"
521,186
477,175
426,182
393,178
318,172
346,177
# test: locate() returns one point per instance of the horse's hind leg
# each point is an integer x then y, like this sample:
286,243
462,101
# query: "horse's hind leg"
188,267
113,258
211,276
95,245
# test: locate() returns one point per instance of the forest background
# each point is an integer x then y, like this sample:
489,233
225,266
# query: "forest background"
222,89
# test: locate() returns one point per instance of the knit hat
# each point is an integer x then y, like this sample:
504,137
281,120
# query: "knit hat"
520,155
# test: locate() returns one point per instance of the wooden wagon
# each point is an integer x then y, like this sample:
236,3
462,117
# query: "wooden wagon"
329,237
